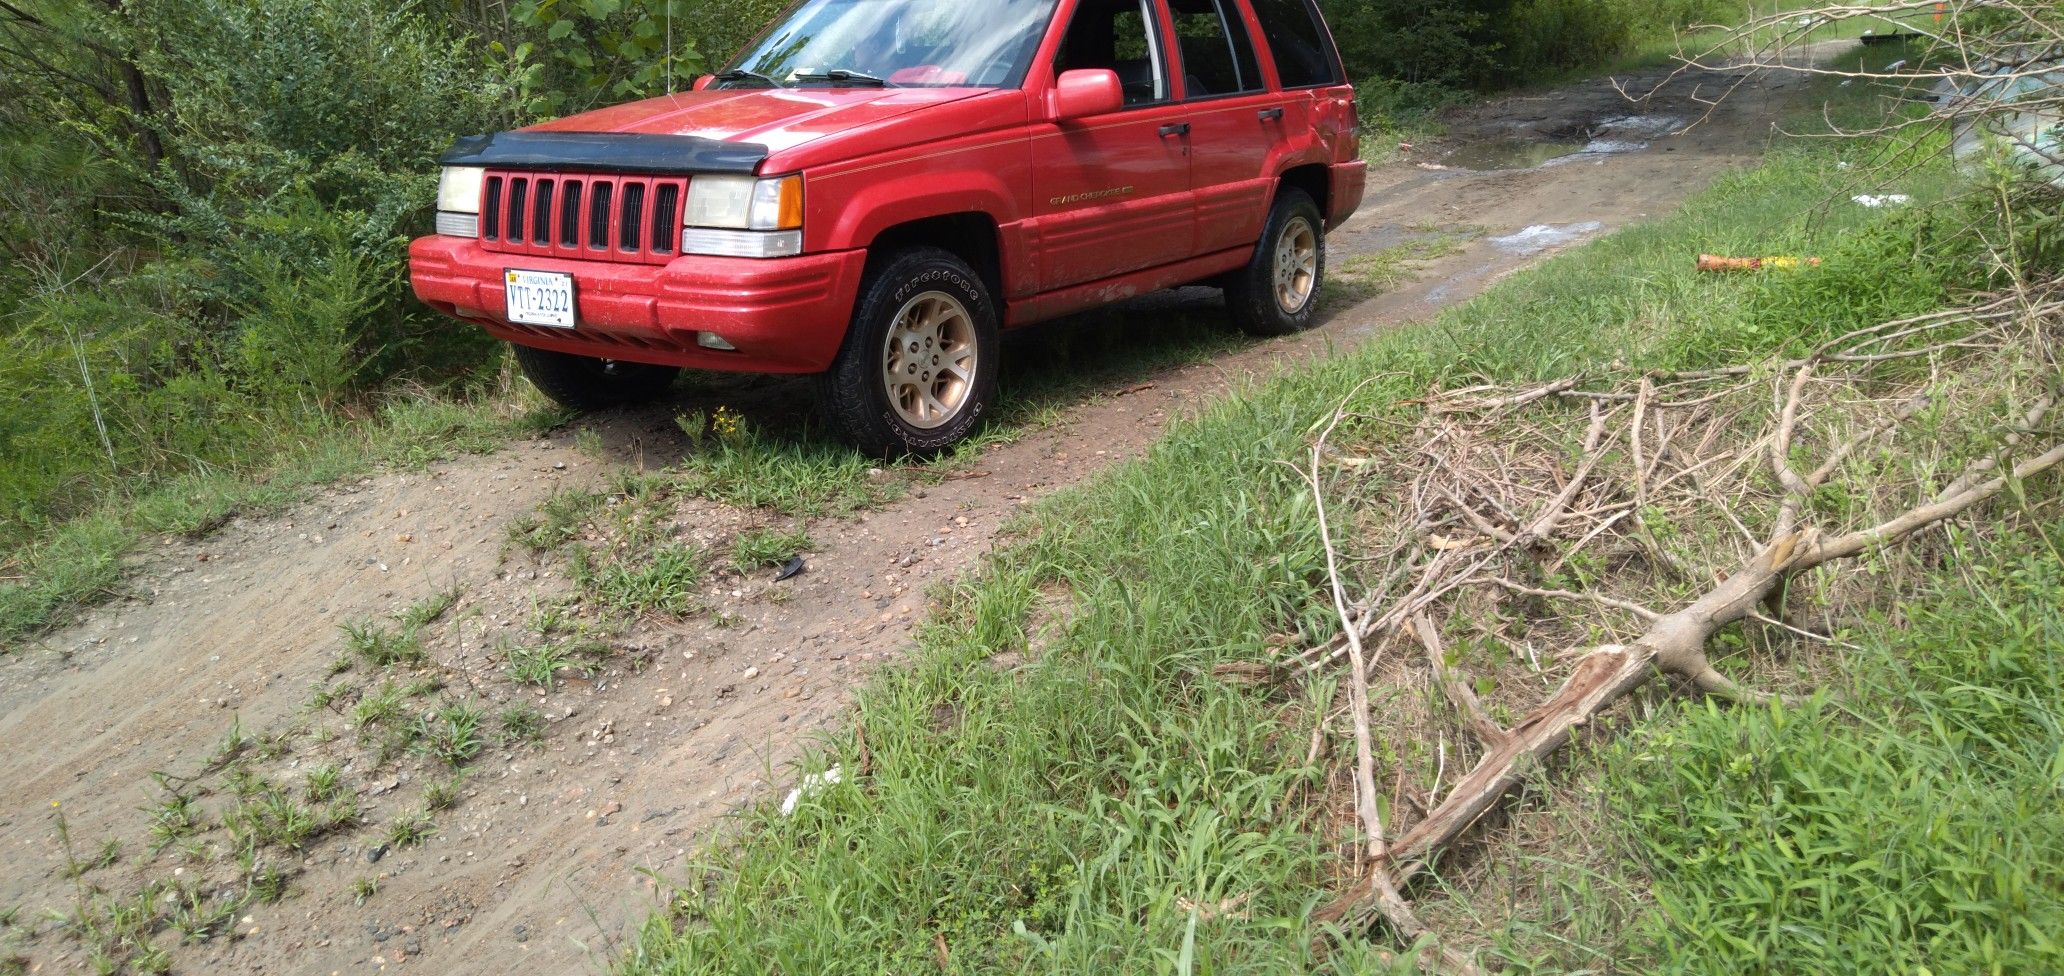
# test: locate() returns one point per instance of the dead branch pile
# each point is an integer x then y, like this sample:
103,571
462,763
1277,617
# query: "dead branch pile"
1622,521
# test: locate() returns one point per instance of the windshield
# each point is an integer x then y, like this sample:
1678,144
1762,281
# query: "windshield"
902,43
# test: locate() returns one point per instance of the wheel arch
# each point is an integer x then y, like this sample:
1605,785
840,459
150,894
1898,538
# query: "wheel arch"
1313,178
971,235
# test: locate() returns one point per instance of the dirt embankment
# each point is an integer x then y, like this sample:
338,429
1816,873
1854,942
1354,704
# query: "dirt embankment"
536,868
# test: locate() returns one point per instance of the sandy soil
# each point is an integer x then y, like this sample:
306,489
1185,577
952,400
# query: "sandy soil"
537,869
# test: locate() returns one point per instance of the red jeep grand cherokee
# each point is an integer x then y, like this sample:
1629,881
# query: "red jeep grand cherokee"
876,187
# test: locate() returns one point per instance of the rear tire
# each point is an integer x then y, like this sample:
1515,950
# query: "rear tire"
1278,292
588,383
918,366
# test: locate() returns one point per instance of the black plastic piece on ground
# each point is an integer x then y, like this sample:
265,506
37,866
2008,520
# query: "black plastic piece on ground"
794,567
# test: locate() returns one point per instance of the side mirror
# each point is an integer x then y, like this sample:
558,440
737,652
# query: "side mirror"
703,82
1084,92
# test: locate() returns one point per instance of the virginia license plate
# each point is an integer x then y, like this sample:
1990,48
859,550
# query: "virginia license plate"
539,297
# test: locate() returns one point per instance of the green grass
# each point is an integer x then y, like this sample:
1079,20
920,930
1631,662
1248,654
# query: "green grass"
658,580
1904,820
520,724
539,665
410,829
67,565
1058,817
451,734
760,548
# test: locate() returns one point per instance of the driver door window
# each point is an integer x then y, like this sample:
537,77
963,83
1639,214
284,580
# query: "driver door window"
1115,35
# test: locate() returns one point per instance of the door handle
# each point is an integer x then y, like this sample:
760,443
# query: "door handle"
1270,114
1175,129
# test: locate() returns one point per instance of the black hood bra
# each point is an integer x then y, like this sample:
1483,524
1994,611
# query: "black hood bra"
604,152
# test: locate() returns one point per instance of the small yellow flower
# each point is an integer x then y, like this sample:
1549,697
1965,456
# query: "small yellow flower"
727,424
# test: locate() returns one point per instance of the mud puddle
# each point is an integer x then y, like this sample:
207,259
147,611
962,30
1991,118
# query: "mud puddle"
1604,137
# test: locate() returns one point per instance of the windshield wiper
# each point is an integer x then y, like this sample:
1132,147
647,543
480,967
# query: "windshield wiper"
843,76
742,74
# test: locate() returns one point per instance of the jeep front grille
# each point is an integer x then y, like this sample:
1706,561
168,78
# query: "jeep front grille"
583,216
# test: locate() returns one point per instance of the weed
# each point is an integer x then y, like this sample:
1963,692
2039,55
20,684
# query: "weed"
342,812
443,794
521,724
760,548
558,520
381,646
428,610
234,744
176,818
325,784
363,890
274,819
198,918
245,782
426,685
267,746
660,580
378,708
268,885
548,617
450,734
539,665
410,829
324,694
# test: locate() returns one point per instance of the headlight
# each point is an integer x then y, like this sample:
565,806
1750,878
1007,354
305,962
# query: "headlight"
744,203
458,189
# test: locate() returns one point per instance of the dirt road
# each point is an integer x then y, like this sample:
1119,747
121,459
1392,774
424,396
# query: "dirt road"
535,870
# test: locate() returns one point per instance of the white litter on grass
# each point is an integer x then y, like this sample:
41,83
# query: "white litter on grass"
811,786
1886,200
1536,238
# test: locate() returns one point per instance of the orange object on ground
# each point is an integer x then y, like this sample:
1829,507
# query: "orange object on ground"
1714,262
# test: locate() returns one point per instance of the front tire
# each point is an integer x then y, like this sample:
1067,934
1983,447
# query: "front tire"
1278,292
918,366
587,383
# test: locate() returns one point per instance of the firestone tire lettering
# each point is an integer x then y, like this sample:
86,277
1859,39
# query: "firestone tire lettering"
852,392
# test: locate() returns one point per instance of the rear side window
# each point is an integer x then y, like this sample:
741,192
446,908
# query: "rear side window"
1217,56
1304,57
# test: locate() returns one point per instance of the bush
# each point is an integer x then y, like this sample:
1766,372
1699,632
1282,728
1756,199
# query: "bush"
1482,44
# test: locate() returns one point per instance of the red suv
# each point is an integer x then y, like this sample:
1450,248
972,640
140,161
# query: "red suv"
877,187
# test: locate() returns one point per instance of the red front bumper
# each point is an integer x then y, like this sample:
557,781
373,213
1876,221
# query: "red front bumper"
784,315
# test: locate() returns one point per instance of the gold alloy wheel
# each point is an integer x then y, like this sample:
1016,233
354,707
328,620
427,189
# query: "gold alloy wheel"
1297,264
928,362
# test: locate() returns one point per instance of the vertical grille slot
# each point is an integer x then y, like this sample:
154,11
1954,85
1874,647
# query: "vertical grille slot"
583,216
666,227
633,216
491,210
518,190
569,213
541,221
598,215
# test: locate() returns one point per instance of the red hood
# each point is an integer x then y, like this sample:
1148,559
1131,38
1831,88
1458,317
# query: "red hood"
776,118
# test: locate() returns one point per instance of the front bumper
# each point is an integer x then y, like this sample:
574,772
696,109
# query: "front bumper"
783,315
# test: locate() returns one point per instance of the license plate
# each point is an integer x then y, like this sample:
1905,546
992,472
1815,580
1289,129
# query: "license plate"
539,297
